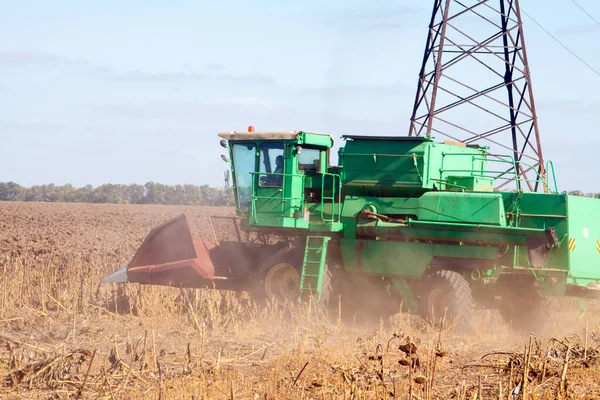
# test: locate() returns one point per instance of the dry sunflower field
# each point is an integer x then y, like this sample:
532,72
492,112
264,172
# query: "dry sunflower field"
65,336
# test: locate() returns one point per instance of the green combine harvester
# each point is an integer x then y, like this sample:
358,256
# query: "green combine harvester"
404,221
405,213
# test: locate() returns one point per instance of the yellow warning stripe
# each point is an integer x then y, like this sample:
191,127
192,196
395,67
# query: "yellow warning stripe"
573,245
598,246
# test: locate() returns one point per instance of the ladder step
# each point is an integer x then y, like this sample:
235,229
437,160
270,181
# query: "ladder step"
313,267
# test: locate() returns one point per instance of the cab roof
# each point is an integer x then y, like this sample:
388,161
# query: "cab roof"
300,137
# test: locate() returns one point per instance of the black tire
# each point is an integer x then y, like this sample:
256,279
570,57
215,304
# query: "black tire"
267,285
524,308
446,296
263,285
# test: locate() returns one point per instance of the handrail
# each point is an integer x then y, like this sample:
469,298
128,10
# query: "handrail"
335,217
549,163
336,197
282,188
501,159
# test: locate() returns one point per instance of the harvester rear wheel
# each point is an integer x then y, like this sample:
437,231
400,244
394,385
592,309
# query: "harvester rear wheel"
446,296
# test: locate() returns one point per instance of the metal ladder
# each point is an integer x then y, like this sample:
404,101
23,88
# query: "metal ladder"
334,198
313,267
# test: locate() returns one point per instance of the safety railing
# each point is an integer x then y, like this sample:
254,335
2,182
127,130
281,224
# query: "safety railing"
550,166
336,197
287,181
291,195
502,175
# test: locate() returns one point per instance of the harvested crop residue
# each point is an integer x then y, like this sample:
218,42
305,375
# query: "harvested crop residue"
62,335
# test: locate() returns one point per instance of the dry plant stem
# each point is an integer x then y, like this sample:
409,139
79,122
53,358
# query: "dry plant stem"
436,351
160,382
154,350
143,357
73,330
510,379
299,373
563,375
585,347
410,381
112,395
41,350
191,309
85,378
526,360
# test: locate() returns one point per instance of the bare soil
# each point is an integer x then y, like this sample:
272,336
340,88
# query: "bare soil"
63,335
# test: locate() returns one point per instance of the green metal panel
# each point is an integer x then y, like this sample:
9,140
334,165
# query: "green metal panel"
459,207
315,139
404,259
410,302
583,244
405,166
384,258
471,183
541,211
470,252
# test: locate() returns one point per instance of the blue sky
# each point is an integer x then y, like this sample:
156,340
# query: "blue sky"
131,91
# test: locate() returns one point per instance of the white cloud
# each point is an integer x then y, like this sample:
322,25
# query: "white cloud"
578,29
361,90
240,101
138,76
583,106
375,18
25,57
152,77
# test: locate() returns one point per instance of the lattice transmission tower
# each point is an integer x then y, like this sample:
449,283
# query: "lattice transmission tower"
475,87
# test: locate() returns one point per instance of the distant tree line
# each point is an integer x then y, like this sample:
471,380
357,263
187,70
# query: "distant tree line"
580,193
150,193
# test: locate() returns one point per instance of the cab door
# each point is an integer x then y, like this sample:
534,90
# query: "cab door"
271,197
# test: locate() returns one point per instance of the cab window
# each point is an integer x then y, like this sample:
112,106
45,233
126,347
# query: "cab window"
309,160
271,164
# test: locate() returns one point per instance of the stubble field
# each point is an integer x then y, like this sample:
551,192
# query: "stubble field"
63,335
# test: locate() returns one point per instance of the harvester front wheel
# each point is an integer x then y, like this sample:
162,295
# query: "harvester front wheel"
282,282
446,296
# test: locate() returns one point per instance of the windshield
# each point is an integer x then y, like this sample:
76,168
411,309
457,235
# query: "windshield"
244,159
